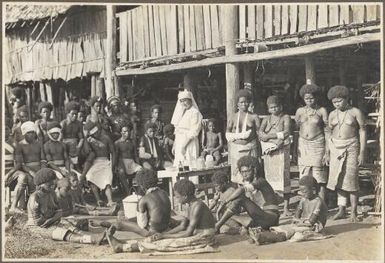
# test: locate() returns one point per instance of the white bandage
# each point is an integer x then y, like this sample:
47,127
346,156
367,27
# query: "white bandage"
280,135
141,219
341,200
86,239
54,129
93,130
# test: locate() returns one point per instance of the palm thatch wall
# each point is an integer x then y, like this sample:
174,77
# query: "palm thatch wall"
53,42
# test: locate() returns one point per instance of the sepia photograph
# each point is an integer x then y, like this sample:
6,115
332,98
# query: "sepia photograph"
192,131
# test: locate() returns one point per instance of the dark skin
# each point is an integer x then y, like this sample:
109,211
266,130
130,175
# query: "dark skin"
56,151
199,217
42,124
72,128
168,144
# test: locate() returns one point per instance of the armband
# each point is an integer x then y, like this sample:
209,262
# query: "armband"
280,135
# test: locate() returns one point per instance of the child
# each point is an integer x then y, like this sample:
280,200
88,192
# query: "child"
308,223
192,235
98,166
56,152
45,110
252,180
72,130
155,119
274,135
150,154
29,157
127,158
45,218
153,211
212,142
64,198
168,144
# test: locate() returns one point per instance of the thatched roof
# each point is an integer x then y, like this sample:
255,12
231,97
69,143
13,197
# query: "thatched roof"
18,12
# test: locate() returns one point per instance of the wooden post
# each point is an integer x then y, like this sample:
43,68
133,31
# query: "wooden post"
248,73
110,51
230,34
29,102
49,90
43,95
93,86
342,71
309,70
189,81
99,86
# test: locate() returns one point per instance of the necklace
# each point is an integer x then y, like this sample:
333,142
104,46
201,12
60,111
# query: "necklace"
275,124
340,123
311,110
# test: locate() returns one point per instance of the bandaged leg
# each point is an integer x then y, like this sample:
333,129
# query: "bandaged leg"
342,200
86,238
60,233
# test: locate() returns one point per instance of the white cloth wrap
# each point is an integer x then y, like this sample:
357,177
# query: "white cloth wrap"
100,173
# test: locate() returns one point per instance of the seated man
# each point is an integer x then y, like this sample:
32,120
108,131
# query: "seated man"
252,180
308,223
212,142
153,211
127,158
98,166
193,235
168,144
22,116
68,207
45,219
55,151
150,154
29,157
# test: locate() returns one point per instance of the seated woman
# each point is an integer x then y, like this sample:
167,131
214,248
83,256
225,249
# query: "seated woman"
275,142
45,217
212,142
252,180
99,163
308,223
150,153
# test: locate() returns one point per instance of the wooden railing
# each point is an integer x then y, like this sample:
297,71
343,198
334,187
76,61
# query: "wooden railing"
153,31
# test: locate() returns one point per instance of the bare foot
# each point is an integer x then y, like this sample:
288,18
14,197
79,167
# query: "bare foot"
115,244
287,213
114,209
339,215
354,218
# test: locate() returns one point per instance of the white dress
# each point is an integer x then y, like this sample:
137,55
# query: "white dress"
188,128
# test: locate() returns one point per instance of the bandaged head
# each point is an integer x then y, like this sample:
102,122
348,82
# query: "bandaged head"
91,127
54,127
27,126
179,109
185,94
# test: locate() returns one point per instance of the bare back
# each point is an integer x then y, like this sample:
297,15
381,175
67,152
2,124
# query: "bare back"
201,214
158,206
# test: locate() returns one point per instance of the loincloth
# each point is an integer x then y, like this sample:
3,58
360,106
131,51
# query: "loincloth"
100,173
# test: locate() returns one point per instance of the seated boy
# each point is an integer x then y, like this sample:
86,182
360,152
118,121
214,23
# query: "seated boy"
153,211
252,180
29,157
16,134
68,207
72,131
150,154
308,223
127,158
168,143
194,234
212,142
98,167
55,151
45,218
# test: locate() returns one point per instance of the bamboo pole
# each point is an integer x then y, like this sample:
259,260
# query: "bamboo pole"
100,86
93,86
310,70
282,53
43,95
111,50
232,69
29,102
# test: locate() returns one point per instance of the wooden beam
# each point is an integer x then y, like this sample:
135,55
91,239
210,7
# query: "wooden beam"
94,92
186,15
312,17
345,17
158,35
217,38
302,18
371,12
232,69
242,22
151,31
268,21
260,21
295,51
193,39
199,24
43,95
322,16
146,31
251,22
333,15
123,36
163,29
285,20
110,50
181,45
277,20
207,27
358,13
172,36
29,103
293,13
130,40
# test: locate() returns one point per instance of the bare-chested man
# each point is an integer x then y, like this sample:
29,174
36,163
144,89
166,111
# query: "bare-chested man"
98,166
212,142
127,158
312,121
241,134
347,149
72,131
56,152
22,116
28,156
45,110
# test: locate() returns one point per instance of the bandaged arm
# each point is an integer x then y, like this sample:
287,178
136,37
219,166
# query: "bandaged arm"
232,136
141,214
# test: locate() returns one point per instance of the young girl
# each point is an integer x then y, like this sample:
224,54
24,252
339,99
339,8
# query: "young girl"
212,142
274,135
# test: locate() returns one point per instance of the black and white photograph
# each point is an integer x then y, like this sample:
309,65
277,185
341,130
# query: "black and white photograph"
205,132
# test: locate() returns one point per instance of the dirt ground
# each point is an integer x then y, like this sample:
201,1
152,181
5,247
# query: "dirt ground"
359,241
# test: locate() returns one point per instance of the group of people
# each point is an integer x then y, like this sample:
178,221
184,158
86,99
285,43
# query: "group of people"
66,157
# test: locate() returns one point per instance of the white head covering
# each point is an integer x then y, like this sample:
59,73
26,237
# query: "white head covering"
27,126
179,110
